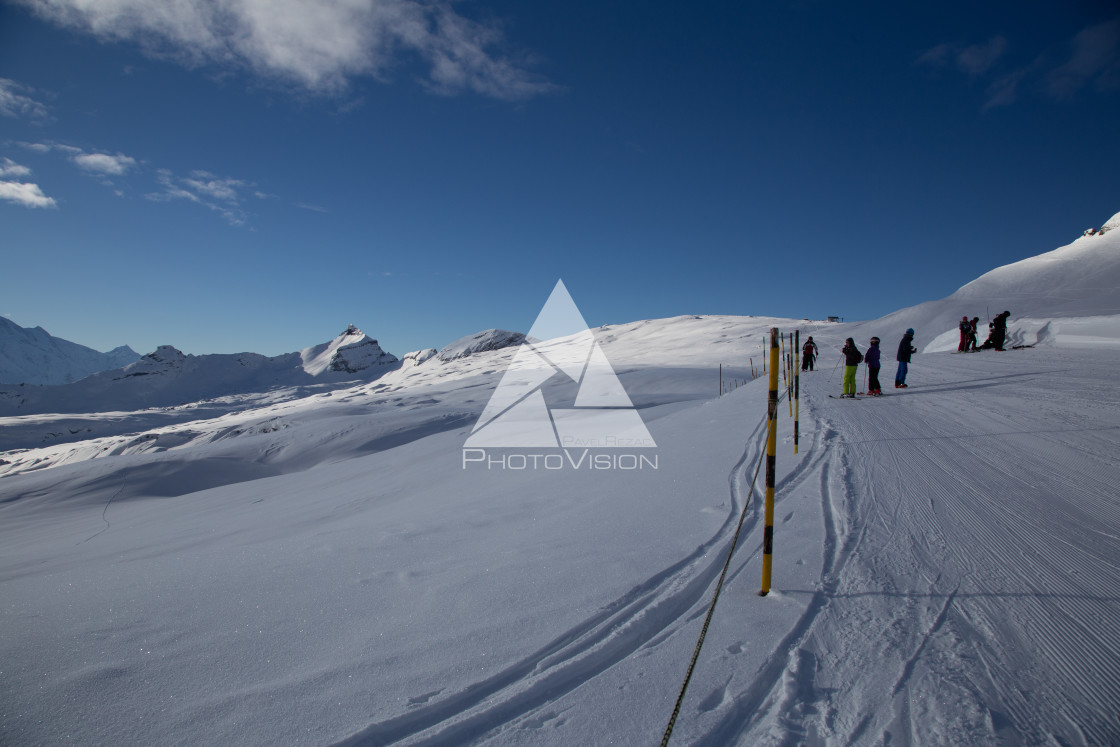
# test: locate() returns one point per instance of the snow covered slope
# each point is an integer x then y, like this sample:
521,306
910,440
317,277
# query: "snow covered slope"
168,377
1069,296
34,356
329,569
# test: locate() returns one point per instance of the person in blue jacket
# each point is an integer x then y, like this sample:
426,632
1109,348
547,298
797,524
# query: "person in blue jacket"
905,350
872,361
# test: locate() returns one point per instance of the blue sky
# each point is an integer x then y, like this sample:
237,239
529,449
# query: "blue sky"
257,178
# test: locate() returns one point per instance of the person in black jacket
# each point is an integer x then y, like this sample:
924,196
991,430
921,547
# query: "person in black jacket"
872,360
852,359
905,350
808,354
999,330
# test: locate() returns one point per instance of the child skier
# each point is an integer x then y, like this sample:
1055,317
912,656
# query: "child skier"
808,354
872,360
905,350
852,359
966,329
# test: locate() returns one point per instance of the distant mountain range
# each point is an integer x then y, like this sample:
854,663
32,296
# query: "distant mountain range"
35,356
168,377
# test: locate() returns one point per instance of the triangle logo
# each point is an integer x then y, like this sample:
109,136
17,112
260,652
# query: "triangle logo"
560,346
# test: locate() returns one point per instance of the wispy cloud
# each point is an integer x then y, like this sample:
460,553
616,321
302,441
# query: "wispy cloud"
1094,61
16,101
225,196
1091,60
316,44
973,60
21,193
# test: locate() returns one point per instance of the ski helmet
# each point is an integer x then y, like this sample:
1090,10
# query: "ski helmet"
964,318
910,331
874,340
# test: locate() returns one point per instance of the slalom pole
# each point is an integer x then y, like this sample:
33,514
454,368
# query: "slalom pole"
796,387
721,379
785,373
771,450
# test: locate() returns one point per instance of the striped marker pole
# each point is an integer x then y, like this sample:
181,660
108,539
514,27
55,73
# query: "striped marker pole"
796,386
771,450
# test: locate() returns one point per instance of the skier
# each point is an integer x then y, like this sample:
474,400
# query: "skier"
971,346
872,360
808,354
999,330
905,350
965,327
852,359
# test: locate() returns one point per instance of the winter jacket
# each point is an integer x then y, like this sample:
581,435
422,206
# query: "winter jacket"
905,349
872,357
852,356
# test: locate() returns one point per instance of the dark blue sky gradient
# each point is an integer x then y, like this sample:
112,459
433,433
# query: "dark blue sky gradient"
801,160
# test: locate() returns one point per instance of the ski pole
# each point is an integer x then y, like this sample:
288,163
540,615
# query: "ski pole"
834,369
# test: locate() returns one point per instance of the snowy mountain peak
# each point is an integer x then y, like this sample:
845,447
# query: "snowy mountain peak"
35,356
164,359
350,352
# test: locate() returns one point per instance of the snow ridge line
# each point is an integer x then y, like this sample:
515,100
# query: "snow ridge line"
637,619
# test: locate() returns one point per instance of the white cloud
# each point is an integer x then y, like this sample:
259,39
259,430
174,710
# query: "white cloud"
103,163
15,103
317,44
28,195
10,169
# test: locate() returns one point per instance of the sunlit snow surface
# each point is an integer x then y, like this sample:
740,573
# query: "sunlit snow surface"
322,568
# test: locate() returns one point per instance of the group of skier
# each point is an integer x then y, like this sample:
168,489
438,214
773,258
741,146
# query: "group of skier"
997,334
853,357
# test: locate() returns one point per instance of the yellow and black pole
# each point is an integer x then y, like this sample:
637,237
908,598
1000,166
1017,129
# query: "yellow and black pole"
796,386
771,450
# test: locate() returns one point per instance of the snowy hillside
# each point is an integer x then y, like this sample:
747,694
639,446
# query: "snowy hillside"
1068,296
34,356
336,568
167,377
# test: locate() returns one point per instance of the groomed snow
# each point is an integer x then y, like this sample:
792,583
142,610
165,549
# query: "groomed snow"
328,570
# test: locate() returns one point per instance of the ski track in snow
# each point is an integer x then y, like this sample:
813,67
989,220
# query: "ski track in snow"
948,585
645,616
